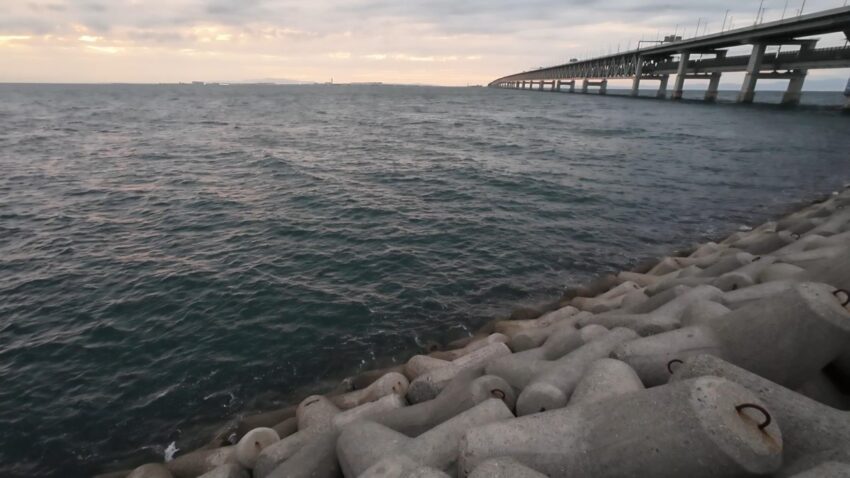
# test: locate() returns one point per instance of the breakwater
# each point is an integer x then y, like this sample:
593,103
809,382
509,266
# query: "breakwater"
174,256
731,359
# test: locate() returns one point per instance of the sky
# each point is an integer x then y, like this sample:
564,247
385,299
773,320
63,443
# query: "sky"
439,42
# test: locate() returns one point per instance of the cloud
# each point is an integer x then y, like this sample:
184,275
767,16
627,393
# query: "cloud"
439,41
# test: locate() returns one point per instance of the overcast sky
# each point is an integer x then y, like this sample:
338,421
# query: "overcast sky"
445,42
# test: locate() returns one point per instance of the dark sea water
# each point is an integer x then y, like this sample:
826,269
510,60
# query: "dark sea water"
173,255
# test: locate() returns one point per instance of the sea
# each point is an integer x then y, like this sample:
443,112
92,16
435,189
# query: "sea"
174,255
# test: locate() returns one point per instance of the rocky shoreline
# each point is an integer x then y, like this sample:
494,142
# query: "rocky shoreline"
732,359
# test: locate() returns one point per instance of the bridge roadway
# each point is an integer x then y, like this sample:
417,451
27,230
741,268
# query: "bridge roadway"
675,58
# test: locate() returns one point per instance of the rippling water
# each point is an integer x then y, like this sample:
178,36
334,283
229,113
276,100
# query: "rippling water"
170,254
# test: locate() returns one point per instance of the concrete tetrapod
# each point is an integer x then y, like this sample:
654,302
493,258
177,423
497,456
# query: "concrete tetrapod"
765,242
504,468
665,318
551,388
808,427
199,462
512,327
227,471
830,469
467,390
250,446
401,466
725,265
364,443
450,355
429,385
786,338
701,428
391,383
520,368
533,338
151,470
311,449
605,378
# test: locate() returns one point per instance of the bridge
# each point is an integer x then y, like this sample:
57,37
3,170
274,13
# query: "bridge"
675,57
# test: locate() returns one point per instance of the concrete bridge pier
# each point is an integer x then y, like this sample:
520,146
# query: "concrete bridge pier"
603,87
572,84
714,81
541,85
748,89
679,87
798,77
557,86
795,88
847,95
662,88
638,72
584,86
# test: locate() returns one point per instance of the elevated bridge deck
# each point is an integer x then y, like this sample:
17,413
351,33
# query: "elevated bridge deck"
676,58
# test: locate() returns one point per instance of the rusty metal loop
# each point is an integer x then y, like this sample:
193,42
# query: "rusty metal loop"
670,365
498,393
767,418
846,295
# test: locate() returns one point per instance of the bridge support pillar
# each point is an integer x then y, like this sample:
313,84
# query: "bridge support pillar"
714,82
679,87
542,83
584,85
557,86
713,87
795,88
603,87
847,95
638,72
662,88
748,89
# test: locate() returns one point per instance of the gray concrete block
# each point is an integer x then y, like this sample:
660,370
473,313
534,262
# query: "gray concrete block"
151,470
552,387
605,378
250,446
401,466
199,462
390,383
466,391
504,468
830,469
786,338
428,385
227,471
807,426
701,428
363,444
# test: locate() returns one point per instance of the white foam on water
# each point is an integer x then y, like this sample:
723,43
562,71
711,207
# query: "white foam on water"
170,451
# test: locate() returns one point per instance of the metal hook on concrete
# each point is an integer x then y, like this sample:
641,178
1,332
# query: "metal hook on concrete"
846,296
767,418
671,363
